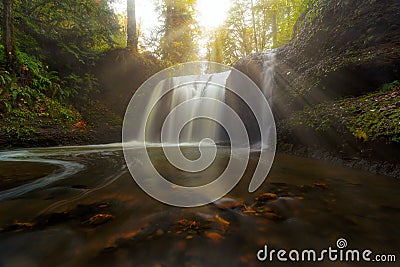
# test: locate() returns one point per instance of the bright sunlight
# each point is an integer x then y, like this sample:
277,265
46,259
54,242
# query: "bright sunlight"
211,13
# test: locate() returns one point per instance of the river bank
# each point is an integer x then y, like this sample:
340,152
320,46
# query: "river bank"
59,126
371,165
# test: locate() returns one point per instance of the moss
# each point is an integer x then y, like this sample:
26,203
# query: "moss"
370,117
23,120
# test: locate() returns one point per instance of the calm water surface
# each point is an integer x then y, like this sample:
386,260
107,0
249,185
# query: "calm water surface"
81,207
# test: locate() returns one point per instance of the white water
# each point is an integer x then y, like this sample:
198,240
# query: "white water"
205,86
268,83
201,88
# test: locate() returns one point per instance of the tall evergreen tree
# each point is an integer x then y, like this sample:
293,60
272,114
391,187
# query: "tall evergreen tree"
8,35
179,31
132,38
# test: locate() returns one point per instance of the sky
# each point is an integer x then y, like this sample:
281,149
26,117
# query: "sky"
211,13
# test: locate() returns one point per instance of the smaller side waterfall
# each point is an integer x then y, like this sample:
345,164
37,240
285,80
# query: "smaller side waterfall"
268,80
268,87
262,71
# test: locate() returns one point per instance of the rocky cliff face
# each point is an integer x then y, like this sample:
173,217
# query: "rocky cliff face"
340,48
327,77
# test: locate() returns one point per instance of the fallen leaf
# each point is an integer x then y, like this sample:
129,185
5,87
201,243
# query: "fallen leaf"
249,211
213,236
222,220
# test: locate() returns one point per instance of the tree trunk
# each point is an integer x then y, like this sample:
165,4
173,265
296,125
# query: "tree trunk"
254,26
274,29
8,36
132,40
167,40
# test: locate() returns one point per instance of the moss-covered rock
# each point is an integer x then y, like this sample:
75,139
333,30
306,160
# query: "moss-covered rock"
371,117
367,126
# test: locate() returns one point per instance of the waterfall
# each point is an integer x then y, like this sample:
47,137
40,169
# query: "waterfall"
207,86
267,87
268,79
194,92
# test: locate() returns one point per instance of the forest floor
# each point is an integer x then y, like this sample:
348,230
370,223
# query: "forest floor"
52,124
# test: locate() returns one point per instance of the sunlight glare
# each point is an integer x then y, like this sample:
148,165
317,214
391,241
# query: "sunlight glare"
212,13
146,16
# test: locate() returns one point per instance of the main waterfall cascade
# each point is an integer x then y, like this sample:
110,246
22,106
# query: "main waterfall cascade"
201,88
207,86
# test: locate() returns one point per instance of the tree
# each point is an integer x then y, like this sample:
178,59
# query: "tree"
253,17
235,39
132,37
255,26
179,31
216,46
69,31
8,35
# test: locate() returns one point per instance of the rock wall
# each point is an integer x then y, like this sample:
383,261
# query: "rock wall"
340,48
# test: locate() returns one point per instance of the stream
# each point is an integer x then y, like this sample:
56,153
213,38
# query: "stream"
81,207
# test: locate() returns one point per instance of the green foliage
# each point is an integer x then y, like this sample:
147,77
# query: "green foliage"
240,36
25,110
25,122
80,86
179,32
389,86
67,36
39,77
5,79
77,25
371,117
57,46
